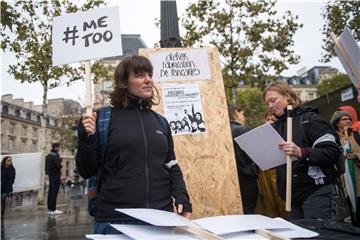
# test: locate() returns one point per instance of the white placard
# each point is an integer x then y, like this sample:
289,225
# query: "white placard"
28,169
269,155
156,217
172,65
86,35
347,94
352,52
183,109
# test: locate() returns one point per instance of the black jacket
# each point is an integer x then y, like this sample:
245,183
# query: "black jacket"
53,164
324,154
134,173
244,164
7,179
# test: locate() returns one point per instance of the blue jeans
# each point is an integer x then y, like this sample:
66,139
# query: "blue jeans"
105,228
319,205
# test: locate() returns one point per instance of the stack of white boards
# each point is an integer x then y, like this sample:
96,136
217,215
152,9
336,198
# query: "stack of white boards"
172,226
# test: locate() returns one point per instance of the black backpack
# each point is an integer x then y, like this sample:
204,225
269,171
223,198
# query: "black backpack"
339,166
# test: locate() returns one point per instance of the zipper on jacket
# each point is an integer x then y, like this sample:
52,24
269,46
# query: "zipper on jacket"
146,159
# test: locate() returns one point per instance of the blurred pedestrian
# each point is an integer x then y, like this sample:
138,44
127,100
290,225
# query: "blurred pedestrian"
53,170
7,180
247,170
315,151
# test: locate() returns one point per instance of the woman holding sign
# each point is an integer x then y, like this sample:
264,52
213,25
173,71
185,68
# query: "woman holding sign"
314,151
138,168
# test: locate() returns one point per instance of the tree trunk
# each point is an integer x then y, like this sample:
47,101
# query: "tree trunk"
40,196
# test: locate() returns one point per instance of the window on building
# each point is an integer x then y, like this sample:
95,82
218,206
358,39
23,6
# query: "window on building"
28,116
12,129
34,133
5,109
11,145
311,96
17,112
33,147
24,131
23,146
38,118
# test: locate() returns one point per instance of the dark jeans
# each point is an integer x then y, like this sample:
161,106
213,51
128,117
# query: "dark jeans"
3,203
54,184
105,228
249,192
319,205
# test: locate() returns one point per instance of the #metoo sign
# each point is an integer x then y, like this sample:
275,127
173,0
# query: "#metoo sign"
86,35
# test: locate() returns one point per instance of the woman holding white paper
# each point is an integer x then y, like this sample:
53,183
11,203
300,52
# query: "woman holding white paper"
315,151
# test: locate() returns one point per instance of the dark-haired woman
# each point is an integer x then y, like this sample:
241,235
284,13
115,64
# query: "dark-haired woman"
139,169
7,180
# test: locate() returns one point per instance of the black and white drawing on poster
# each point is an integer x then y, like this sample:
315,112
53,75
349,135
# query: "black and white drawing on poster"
183,109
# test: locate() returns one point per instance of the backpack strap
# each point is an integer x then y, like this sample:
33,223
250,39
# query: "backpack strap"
103,127
163,123
305,119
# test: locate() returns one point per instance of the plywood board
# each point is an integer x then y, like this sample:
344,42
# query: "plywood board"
207,159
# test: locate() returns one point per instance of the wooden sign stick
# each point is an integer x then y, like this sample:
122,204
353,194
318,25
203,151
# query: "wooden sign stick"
288,159
88,94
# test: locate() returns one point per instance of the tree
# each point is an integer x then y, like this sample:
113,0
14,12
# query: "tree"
254,45
29,38
338,15
332,84
251,102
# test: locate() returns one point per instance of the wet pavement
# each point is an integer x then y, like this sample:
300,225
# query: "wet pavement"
25,220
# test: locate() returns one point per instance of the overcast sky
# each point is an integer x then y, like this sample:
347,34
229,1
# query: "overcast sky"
138,17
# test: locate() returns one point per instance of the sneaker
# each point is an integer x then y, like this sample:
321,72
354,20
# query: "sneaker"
50,212
57,212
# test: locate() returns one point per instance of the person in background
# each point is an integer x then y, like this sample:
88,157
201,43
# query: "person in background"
342,121
269,202
355,123
8,174
314,149
53,170
247,170
139,169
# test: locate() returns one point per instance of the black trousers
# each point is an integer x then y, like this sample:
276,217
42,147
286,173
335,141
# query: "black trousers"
249,192
3,204
54,184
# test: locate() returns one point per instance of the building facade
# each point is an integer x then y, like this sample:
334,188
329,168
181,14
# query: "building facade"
21,126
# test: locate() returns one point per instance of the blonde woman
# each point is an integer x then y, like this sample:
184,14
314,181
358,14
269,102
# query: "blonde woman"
315,151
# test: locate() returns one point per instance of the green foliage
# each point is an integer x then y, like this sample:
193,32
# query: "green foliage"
29,38
338,15
65,134
332,84
255,46
251,102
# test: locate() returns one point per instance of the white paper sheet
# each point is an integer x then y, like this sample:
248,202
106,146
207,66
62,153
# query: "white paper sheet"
295,231
156,217
107,237
153,232
352,50
237,223
261,144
